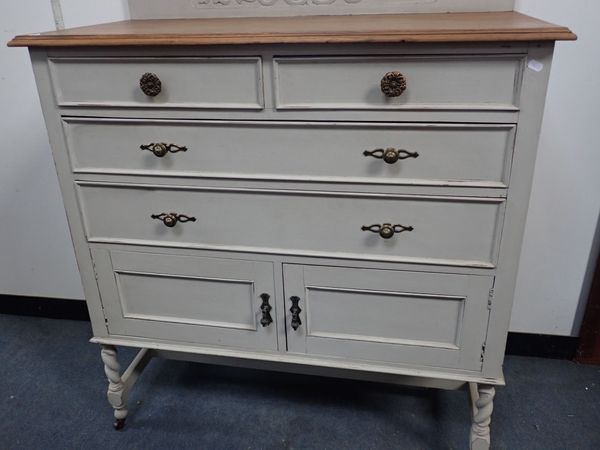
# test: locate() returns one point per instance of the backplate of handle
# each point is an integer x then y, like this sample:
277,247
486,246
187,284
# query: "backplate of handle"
265,309
386,230
295,310
160,149
390,155
171,219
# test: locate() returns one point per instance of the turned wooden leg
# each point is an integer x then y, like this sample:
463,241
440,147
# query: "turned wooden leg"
116,387
482,398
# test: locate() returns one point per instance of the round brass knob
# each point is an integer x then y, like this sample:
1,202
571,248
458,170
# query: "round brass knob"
391,155
150,84
393,84
170,220
387,231
159,150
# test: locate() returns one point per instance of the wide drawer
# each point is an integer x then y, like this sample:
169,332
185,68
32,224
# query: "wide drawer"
435,154
387,316
438,230
451,82
229,83
206,301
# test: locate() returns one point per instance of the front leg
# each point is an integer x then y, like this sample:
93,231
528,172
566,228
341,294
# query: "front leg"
117,391
482,398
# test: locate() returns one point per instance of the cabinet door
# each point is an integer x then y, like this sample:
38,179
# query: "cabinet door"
387,316
206,301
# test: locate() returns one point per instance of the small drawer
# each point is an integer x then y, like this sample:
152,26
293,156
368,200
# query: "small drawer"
387,316
487,82
219,83
435,230
207,301
425,154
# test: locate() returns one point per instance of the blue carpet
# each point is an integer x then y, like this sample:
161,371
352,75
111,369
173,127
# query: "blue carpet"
52,396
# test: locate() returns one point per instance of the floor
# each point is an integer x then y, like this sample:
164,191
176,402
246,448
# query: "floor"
52,396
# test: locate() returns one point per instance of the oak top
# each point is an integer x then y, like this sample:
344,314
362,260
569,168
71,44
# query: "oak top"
449,27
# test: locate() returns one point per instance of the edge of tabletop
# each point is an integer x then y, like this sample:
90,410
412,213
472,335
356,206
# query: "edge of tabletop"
101,35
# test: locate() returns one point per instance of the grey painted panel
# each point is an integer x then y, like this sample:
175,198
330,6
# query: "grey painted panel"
452,154
207,301
433,82
186,82
158,9
389,316
456,230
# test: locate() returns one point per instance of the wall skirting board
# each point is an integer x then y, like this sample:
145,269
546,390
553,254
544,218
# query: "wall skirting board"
519,344
52,308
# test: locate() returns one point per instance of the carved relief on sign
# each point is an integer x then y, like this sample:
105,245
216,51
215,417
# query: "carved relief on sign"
200,3
173,9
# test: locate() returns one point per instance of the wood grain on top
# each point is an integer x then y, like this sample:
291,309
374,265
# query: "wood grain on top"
451,27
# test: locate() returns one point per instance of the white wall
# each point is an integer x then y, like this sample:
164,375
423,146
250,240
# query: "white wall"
552,286
88,12
36,256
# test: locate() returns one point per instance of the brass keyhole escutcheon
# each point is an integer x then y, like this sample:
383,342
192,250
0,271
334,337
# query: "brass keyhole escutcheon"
295,310
265,309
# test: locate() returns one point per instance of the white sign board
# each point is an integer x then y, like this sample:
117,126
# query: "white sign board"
169,9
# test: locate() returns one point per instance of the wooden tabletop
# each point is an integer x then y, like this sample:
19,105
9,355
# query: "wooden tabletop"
450,27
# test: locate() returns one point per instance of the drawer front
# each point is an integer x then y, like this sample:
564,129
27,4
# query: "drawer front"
229,83
201,300
436,154
487,82
445,230
387,316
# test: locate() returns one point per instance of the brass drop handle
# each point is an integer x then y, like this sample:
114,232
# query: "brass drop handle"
295,310
171,219
393,84
265,309
390,155
150,84
160,149
387,230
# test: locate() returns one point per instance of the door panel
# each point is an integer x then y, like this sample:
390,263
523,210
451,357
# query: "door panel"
201,300
388,316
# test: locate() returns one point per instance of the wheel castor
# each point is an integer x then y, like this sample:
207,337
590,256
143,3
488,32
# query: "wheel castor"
119,424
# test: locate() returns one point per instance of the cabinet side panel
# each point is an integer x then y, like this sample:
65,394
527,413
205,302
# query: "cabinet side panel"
56,136
533,96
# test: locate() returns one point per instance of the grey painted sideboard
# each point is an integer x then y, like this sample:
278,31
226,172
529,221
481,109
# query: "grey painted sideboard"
335,201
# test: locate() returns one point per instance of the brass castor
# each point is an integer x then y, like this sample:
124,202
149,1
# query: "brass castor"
119,424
